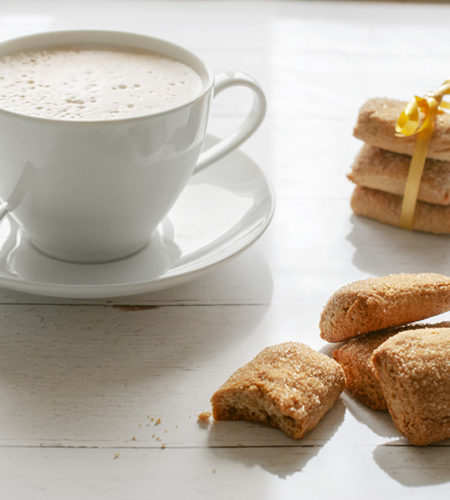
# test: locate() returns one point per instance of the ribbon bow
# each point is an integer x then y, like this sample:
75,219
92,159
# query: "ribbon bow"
410,123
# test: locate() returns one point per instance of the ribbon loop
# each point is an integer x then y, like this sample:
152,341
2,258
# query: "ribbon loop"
418,118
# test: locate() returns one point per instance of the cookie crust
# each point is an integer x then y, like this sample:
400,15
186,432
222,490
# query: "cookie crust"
376,126
377,168
376,303
355,357
289,386
386,207
413,368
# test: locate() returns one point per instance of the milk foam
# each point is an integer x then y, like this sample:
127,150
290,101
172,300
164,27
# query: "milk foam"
93,84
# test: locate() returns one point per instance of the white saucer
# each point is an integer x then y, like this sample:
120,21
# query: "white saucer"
222,211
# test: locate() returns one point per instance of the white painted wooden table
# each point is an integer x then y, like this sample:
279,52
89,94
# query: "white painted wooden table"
83,383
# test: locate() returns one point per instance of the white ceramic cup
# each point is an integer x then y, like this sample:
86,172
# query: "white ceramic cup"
94,191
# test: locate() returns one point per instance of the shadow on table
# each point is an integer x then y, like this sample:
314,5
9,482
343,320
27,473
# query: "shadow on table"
380,422
245,279
76,372
257,445
381,249
412,465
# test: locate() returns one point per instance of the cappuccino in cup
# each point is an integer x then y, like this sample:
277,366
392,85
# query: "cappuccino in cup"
94,83
100,132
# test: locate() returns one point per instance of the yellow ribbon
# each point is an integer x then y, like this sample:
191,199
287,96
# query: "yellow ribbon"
410,123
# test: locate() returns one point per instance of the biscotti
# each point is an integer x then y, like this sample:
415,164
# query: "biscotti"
376,126
413,368
355,357
383,170
376,303
385,207
289,386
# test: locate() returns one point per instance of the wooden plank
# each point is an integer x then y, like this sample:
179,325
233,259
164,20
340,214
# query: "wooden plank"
236,473
103,376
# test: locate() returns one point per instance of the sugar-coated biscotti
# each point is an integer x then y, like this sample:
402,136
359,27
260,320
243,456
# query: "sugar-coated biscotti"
376,126
377,168
289,386
355,357
413,368
386,208
376,303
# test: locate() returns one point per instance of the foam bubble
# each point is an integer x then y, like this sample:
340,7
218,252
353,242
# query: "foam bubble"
83,84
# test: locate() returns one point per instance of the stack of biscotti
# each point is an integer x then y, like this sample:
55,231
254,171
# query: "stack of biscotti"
389,363
381,168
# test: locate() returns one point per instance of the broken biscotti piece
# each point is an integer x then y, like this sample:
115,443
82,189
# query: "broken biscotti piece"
289,386
413,368
383,170
376,303
386,207
355,357
376,126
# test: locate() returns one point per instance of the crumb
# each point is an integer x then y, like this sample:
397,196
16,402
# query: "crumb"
165,430
151,419
204,417
158,439
163,446
116,456
140,425
213,471
157,422
133,438
153,436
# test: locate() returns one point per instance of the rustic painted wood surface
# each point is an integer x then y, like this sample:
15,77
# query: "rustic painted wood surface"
83,384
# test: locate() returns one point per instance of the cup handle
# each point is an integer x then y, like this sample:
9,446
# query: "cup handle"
247,127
